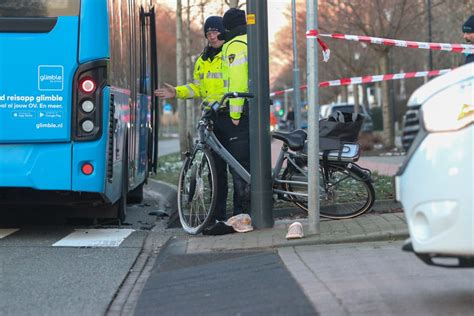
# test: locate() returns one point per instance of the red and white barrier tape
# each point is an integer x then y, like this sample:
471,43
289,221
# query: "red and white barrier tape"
324,47
369,79
459,48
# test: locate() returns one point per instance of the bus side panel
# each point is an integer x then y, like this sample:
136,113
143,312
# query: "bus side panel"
94,30
95,153
39,166
121,118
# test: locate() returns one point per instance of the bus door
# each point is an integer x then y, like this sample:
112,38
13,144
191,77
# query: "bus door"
152,82
147,84
134,102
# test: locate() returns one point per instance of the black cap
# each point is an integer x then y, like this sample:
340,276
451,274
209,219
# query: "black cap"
468,26
234,17
213,23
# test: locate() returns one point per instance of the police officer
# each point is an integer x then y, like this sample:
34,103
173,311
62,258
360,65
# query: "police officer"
209,85
468,34
235,124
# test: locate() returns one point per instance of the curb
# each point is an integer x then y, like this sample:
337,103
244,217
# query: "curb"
309,241
167,196
167,192
384,236
128,294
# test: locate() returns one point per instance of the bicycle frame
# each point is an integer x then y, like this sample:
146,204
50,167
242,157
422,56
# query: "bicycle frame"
285,155
198,197
209,139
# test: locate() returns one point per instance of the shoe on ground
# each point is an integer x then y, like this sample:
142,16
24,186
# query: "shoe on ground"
295,231
219,228
242,223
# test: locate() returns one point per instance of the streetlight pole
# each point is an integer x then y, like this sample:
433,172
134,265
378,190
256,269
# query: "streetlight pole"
296,71
261,198
313,116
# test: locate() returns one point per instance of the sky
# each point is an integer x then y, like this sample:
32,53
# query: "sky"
275,8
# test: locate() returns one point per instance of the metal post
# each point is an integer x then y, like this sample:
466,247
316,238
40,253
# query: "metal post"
313,118
296,71
391,89
430,36
260,150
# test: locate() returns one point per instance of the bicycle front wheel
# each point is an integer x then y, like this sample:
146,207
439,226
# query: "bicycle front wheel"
197,191
342,194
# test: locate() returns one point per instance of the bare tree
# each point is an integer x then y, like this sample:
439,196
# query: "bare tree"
234,3
189,71
381,18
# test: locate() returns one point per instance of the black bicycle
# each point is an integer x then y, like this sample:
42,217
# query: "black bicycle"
346,189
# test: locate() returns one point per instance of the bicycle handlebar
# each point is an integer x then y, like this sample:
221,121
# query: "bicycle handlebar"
208,113
231,95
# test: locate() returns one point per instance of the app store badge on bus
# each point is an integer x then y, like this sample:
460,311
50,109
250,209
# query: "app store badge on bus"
50,78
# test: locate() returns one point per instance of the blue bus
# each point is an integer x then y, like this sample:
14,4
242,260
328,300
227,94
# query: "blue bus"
78,120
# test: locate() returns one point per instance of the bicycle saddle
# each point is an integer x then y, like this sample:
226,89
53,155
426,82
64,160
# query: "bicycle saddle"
295,140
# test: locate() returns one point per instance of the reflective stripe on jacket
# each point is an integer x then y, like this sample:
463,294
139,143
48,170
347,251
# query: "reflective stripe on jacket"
208,83
235,72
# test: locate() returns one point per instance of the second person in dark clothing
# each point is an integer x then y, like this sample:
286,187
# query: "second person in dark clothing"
235,123
468,34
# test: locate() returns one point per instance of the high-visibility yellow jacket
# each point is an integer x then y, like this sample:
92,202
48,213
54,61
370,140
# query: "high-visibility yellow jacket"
235,71
208,83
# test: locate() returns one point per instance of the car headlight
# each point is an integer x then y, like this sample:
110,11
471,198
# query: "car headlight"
451,109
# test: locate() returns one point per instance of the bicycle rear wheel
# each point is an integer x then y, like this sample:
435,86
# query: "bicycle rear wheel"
343,194
197,191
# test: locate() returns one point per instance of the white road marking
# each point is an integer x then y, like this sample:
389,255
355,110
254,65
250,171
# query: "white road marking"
4,232
94,238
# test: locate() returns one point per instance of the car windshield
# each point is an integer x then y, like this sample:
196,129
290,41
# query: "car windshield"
345,108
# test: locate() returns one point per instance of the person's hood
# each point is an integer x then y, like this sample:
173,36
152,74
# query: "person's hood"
230,34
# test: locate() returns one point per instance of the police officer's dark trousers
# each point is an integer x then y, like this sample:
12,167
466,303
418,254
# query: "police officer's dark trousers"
236,140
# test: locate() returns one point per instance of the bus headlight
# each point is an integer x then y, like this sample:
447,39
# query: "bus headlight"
87,126
87,106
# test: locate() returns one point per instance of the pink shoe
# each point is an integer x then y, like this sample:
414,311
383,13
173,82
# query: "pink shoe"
295,231
241,223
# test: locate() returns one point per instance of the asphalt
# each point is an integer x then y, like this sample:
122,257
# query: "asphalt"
202,268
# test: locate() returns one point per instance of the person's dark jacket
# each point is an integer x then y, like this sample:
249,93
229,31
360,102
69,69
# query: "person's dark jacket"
469,58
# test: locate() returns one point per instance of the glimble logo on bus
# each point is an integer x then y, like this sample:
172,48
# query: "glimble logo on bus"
50,77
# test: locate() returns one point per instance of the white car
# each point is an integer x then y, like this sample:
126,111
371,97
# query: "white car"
435,183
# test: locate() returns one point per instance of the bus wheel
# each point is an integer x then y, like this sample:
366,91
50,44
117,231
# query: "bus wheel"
136,195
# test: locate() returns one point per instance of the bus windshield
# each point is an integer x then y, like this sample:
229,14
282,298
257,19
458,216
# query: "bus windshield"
39,8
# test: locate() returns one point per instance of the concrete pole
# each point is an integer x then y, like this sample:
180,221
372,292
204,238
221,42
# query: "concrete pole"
260,151
296,70
313,118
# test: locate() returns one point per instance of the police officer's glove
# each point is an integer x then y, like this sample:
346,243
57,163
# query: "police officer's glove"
209,114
